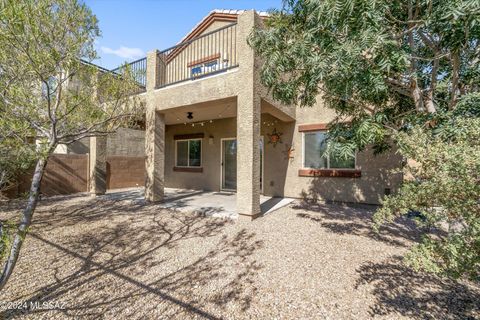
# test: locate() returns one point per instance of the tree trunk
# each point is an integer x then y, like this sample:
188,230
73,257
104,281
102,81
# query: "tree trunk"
25,222
429,103
417,96
455,79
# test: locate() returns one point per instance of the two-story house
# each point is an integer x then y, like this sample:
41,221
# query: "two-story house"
211,125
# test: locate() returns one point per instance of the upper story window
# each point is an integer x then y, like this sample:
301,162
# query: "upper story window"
314,146
203,68
188,153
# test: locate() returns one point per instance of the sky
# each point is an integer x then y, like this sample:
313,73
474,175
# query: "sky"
132,28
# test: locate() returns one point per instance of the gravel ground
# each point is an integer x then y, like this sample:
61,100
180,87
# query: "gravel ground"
106,259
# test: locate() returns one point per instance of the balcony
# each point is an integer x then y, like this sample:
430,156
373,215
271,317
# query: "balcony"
211,53
138,69
208,54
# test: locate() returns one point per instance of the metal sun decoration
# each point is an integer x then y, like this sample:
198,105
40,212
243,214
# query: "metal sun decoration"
275,137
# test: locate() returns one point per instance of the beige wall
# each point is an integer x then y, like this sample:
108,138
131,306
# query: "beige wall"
281,177
209,179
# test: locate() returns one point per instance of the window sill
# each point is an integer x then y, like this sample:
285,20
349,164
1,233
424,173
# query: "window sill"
336,173
188,169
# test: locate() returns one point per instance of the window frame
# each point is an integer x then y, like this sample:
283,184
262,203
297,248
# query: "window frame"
203,66
188,153
328,158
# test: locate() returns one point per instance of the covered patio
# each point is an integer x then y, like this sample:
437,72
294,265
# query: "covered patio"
217,204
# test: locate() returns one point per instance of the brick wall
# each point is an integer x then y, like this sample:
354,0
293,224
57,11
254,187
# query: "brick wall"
65,174
125,172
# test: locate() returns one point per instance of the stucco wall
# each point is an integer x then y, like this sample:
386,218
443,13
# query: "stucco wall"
282,176
124,142
209,179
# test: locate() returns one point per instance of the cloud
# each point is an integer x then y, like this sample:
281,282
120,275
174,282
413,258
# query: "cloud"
124,52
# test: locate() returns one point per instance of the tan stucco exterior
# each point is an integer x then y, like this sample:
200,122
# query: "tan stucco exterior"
240,107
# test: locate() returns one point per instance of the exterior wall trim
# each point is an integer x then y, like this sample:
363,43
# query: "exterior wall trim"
334,173
203,60
312,127
204,24
188,169
188,136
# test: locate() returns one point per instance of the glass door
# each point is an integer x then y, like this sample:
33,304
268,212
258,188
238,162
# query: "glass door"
229,164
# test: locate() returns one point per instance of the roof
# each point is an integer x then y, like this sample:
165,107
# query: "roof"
217,15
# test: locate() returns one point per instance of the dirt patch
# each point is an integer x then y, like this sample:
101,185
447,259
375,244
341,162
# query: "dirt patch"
111,259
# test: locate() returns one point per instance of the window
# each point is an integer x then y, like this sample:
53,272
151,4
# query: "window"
189,153
314,146
203,68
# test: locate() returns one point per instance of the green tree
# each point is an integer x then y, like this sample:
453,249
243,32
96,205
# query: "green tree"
48,94
389,67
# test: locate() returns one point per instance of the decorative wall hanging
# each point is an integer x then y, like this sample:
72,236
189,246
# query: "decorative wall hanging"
274,137
289,149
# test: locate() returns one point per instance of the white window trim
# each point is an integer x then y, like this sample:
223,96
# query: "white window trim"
188,155
328,158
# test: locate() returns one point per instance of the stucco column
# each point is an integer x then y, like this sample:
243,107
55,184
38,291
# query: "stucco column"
248,122
98,165
155,153
248,156
153,72
154,133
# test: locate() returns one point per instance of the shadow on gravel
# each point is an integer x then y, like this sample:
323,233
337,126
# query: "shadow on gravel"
400,290
110,267
357,220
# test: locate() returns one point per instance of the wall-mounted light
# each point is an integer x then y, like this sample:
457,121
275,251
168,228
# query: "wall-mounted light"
190,115
210,140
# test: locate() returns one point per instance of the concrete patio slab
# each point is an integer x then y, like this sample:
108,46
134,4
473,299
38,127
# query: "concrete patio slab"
211,203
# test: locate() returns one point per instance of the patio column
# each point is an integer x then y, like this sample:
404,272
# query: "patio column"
248,156
248,122
97,165
155,155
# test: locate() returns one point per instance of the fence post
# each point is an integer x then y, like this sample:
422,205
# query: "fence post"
98,165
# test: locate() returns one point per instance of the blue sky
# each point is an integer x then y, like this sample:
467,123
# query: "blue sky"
132,28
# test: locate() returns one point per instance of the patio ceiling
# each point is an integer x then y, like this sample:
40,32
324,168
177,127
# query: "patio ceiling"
216,109
210,110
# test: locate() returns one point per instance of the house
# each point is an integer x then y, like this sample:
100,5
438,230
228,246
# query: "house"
211,125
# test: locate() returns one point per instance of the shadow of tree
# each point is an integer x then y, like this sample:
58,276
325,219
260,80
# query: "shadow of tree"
121,258
357,220
399,289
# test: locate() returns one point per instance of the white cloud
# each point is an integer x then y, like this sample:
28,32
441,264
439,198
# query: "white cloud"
124,52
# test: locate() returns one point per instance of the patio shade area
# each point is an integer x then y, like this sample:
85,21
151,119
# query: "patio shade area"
210,203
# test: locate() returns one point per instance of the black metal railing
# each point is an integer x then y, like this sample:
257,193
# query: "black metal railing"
138,70
208,54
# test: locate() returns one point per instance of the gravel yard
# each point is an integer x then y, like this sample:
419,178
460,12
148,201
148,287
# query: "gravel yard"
108,259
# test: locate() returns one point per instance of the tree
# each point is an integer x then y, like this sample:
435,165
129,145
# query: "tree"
386,67
49,94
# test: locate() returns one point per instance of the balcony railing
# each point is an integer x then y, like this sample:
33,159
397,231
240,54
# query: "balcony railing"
138,70
208,54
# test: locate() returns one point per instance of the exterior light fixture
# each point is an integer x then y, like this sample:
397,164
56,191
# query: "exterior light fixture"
190,115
